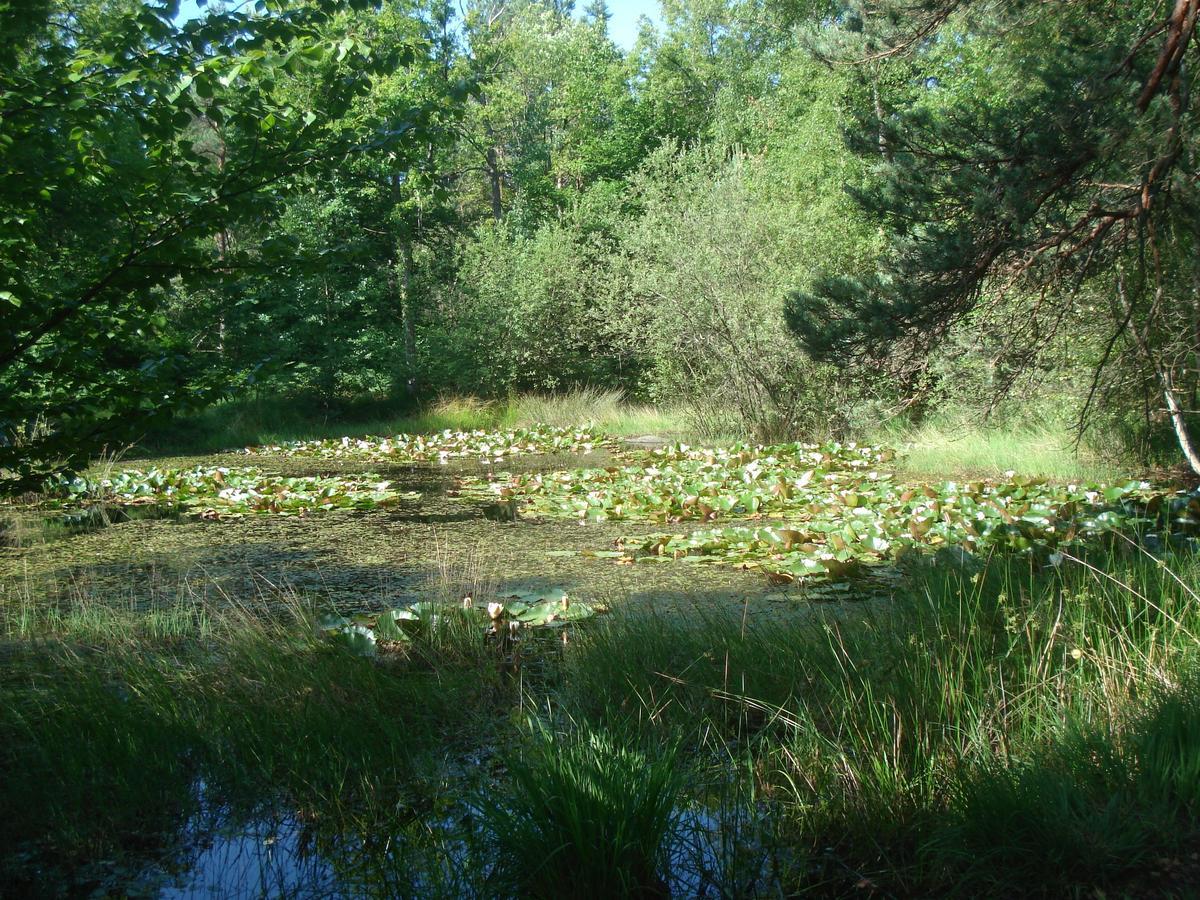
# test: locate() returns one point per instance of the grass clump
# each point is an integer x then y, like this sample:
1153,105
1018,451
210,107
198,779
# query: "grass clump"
585,814
949,448
1091,807
608,410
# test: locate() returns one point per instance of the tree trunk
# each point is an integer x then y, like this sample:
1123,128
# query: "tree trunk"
1166,380
408,315
222,255
1179,421
884,149
493,171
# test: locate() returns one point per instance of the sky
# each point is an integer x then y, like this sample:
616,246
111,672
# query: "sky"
625,14
623,28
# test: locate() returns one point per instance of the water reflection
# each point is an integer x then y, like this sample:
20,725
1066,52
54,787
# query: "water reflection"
279,855
220,854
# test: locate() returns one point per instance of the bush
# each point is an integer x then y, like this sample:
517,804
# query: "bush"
708,263
525,316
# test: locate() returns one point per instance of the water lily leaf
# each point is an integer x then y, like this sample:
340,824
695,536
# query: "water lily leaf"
388,627
538,613
357,638
331,622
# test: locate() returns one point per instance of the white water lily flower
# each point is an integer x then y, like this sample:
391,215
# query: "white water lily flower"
495,610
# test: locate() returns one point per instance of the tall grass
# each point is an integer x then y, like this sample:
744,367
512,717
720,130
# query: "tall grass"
1019,731
112,713
955,448
606,409
893,739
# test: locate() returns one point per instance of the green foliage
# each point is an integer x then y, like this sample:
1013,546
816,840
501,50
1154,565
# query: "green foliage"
529,317
708,263
507,202
109,192
1028,171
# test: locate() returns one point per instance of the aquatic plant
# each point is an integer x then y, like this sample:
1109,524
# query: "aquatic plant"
833,508
585,814
839,533
222,492
444,445
500,619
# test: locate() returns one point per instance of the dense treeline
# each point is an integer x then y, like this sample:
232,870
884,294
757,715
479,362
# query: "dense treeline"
793,217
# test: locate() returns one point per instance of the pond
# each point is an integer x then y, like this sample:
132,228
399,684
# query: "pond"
354,559
276,853
794,534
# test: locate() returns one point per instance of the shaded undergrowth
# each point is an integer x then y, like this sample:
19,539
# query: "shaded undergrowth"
113,714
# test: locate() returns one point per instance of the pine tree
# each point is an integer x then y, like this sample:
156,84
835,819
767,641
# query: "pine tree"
1033,149
598,13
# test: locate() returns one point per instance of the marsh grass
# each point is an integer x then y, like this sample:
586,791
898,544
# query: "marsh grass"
1102,801
112,712
892,739
609,410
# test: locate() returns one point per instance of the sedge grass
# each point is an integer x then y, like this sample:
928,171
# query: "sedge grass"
948,449
112,714
585,814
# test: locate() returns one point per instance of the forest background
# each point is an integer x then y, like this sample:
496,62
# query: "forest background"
792,219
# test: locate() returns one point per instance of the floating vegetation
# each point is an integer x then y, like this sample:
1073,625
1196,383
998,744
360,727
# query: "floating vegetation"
445,445
223,493
683,483
837,535
839,512
500,619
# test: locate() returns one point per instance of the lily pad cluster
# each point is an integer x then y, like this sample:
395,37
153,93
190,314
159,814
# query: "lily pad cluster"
503,617
838,534
827,511
224,493
680,483
445,445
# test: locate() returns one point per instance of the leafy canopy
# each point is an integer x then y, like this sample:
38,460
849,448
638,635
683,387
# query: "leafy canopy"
108,193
